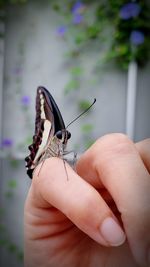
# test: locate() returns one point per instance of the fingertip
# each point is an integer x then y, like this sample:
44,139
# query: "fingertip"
112,232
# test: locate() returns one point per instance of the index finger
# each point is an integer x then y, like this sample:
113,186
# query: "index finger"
78,200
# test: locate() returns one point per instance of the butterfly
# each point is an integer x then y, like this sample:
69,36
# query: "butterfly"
51,136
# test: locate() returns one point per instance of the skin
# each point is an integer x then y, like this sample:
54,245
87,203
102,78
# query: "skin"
63,217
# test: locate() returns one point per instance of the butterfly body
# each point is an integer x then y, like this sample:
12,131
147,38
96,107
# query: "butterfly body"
51,136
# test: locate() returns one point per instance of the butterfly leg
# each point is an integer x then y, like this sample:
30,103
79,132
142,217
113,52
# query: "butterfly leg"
60,155
65,169
74,160
71,161
47,154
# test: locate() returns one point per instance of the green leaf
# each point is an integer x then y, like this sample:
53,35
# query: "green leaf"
93,31
56,6
12,183
2,35
2,228
72,54
72,85
122,50
76,71
12,247
2,212
20,255
9,194
87,128
80,38
84,104
3,242
14,163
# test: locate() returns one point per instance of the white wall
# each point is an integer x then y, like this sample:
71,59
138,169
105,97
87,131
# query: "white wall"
34,56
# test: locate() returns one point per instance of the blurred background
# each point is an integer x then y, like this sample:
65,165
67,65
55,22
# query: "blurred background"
78,50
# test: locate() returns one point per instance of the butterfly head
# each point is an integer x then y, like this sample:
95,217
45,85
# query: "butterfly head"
63,136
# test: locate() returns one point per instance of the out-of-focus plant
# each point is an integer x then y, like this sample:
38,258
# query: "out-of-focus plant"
5,240
123,26
118,28
4,3
116,31
12,185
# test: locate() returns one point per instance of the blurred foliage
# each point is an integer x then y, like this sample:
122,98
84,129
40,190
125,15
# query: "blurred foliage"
119,28
123,26
12,185
14,163
73,84
87,128
5,239
116,31
84,104
10,246
85,22
3,3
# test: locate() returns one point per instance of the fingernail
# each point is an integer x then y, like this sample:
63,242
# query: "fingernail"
112,232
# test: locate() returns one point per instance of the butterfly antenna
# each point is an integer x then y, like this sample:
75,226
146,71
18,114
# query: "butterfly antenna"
82,113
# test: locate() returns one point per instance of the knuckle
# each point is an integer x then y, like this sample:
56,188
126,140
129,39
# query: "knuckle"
112,147
117,143
143,143
114,138
121,145
147,140
146,147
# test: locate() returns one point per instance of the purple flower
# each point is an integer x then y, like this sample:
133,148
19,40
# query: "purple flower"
129,10
77,18
7,142
77,8
25,100
77,11
61,30
137,38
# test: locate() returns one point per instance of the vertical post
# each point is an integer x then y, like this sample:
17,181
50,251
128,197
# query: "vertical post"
2,50
2,30
131,99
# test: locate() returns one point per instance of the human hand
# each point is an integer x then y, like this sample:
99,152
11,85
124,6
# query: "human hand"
75,222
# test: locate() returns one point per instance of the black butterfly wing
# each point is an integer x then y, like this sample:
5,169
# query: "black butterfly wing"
47,122
50,103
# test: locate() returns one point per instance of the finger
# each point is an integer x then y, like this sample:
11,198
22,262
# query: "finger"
115,163
79,201
144,150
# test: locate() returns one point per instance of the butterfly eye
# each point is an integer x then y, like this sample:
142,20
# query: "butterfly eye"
68,135
59,135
